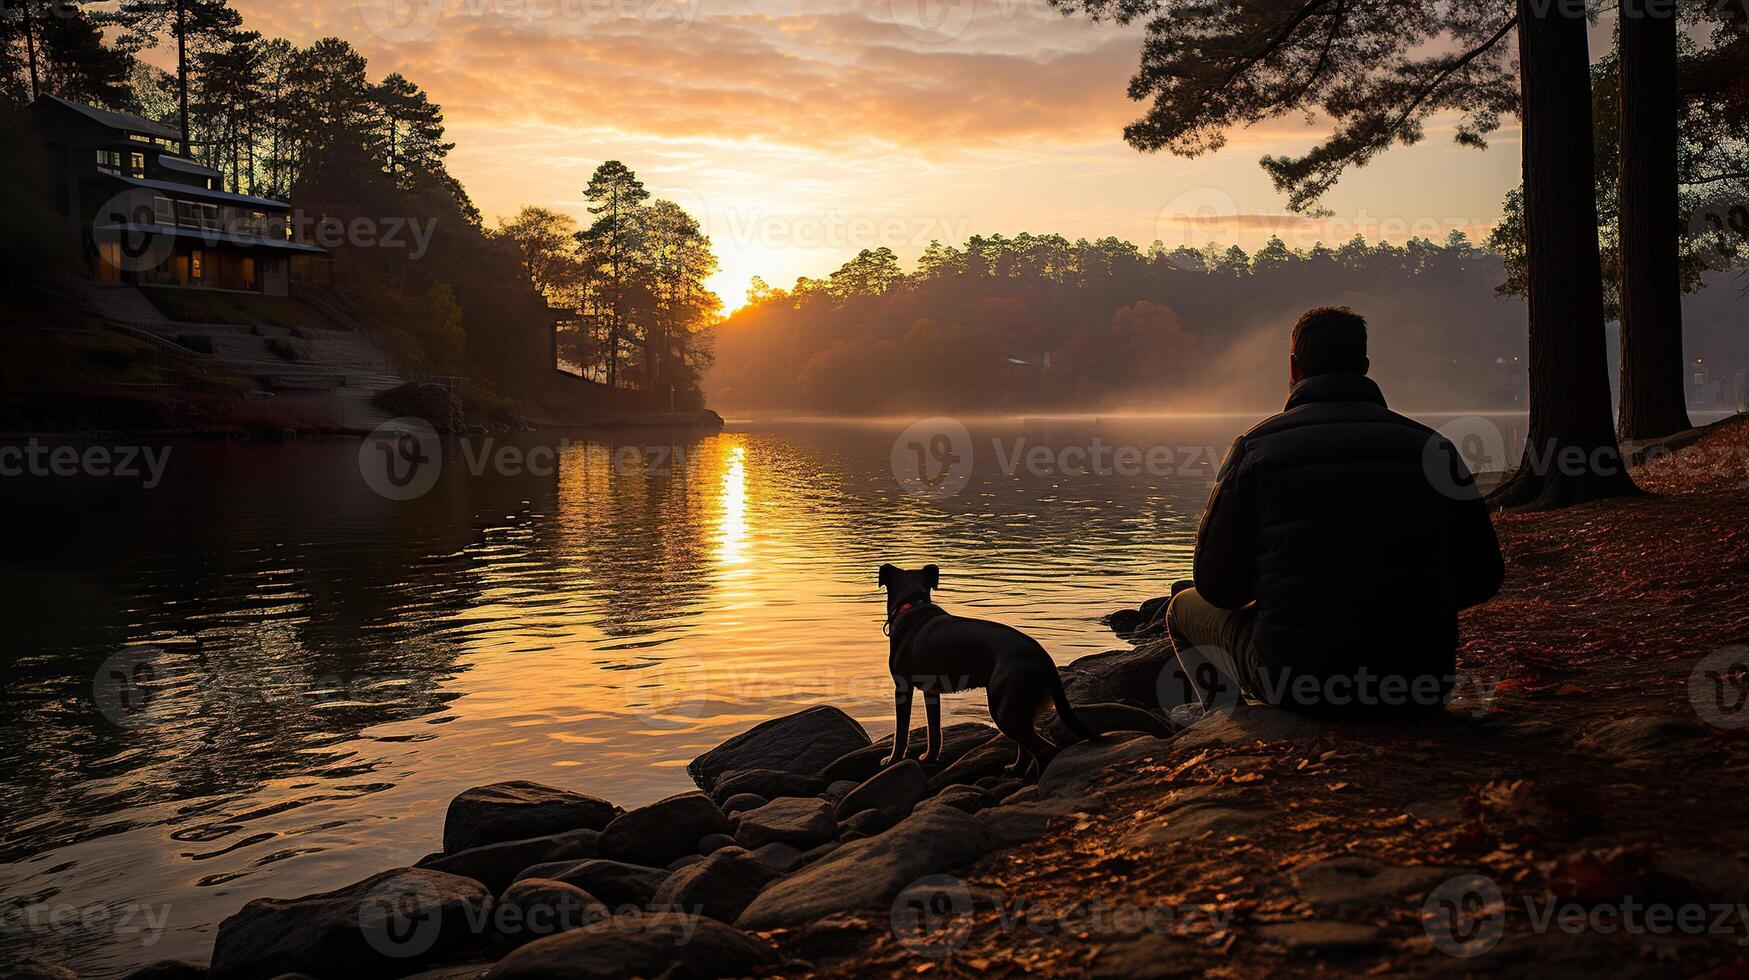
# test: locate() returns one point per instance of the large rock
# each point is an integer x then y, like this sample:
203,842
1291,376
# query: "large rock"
988,759
1018,823
720,886
1132,677
614,882
664,830
1075,770
497,865
805,742
519,810
956,741
800,822
1642,739
867,874
969,799
769,783
1349,883
1103,718
535,908
437,404
781,858
650,945
388,924
742,802
892,791
1245,724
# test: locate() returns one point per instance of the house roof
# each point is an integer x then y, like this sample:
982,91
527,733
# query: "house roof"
117,120
206,194
177,163
211,238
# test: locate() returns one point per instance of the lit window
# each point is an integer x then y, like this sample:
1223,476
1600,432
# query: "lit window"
137,164
139,137
109,161
195,261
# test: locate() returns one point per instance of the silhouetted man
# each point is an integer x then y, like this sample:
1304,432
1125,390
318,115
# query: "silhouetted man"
1338,546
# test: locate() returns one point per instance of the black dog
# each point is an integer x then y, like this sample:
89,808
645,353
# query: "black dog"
935,652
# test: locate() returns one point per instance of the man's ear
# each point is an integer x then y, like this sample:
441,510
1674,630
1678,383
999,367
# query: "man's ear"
932,575
887,571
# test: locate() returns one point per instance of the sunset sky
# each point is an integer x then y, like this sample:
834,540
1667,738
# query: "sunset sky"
800,132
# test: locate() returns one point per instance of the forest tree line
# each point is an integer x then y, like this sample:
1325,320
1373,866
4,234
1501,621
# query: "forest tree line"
1041,323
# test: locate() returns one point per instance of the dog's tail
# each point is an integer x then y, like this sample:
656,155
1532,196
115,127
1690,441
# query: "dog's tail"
1066,711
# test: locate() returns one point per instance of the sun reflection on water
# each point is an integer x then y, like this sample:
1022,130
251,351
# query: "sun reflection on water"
732,505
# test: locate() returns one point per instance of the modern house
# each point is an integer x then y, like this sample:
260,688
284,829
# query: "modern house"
143,212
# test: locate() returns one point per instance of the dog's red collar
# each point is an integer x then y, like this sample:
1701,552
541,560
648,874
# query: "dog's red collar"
887,630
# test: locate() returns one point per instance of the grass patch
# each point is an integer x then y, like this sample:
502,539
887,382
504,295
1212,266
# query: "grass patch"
242,309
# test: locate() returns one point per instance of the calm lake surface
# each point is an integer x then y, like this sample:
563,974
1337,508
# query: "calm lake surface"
262,677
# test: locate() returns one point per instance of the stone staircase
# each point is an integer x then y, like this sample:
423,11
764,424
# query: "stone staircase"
331,375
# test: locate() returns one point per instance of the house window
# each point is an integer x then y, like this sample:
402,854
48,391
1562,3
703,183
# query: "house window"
185,213
196,261
163,211
171,145
109,161
137,164
209,217
139,137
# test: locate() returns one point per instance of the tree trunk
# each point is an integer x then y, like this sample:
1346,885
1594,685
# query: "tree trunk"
182,72
1653,400
1570,454
30,50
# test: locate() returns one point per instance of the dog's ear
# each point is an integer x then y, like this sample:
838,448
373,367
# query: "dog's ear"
932,575
887,571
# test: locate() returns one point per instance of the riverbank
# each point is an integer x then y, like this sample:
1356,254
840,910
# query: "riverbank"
1256,843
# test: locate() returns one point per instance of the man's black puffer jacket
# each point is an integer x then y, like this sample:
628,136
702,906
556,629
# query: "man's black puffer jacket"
1357,532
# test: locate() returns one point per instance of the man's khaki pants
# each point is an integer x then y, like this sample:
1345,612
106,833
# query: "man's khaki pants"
1214,648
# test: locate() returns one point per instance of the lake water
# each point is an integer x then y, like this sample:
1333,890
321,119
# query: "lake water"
263,677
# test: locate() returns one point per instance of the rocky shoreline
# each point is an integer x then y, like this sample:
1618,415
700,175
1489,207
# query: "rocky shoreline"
794,820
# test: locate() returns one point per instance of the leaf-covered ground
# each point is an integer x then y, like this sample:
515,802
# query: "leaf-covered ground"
1575,774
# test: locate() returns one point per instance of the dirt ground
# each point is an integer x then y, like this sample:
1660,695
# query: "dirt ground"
1600,803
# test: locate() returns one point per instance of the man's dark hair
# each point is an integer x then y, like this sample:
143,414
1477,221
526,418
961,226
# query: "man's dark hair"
1330,340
